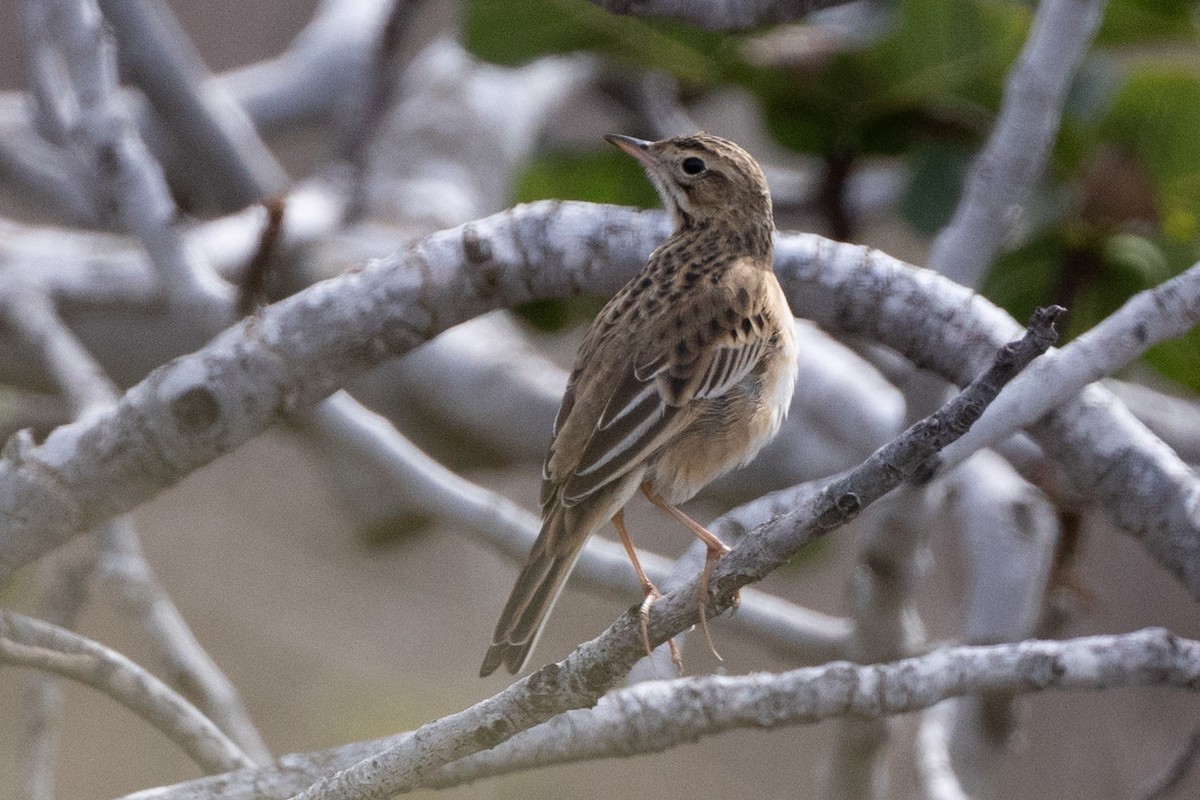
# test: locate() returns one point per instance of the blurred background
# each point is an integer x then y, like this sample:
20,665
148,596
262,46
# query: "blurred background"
342,618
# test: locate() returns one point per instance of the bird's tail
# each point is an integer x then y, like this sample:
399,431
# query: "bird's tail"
537,588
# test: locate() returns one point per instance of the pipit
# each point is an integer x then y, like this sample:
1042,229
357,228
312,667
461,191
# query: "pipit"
685,374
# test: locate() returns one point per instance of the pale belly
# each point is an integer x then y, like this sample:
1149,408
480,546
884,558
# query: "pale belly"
731,437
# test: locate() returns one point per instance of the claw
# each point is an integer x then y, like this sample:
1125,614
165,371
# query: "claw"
710,561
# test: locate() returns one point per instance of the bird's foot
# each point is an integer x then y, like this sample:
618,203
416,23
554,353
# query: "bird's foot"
652,594
715,551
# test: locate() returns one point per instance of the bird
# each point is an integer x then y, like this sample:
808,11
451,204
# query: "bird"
683,375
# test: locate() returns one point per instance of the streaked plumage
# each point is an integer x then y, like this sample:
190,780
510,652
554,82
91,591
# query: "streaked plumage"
685,374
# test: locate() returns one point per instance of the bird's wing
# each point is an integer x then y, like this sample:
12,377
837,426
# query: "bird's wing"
624,402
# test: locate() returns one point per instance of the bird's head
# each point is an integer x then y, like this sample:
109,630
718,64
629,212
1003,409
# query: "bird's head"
702,177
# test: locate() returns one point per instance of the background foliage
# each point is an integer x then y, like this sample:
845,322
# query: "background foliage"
1117,212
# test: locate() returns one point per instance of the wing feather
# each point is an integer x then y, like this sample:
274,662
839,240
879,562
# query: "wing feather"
641,398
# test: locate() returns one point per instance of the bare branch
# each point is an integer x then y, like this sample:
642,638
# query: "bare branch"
376,98
886,628
1168,310
121,564
106,141
654,717
124,570
30,643
593,668
1009,532
342,425
66,582
1173,419
72,369
941,326
1169,781
1014,158
936,771
197,407
201,113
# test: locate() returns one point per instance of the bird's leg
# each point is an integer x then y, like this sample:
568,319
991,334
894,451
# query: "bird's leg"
650,592
715,549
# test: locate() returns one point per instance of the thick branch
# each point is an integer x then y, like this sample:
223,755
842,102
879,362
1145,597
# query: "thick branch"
656,716
580,679
1110,457
1155,315
188,412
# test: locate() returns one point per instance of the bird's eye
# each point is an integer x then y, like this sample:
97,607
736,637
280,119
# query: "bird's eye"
693,166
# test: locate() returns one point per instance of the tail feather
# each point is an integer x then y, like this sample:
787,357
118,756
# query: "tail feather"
537,589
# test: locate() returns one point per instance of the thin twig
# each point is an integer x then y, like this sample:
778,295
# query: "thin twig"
31,643
66,579
252,287
1164,312
89,391
374,443
127,175
376,100
1166,783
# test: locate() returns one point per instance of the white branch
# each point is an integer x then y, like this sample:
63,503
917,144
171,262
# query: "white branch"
66,579
1014,158
1168,310
657,716
1009,532
80,379
886,628
1173,419
592,669
944,327
201,113
30,643
124,570
106,141
343,426
934,767
298,351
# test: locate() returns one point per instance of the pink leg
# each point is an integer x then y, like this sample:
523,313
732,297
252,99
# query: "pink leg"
649,590
715,547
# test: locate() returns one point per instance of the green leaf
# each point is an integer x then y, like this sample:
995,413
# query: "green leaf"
1127,264
601,176
1147,21
517,31
1179,359
1156,116
557,315
937,73
935,186
1024,279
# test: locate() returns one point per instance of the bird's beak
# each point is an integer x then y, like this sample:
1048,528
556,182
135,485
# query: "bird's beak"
638,148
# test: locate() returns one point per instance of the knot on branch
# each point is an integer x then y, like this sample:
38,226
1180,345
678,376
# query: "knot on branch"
845,507
196,410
